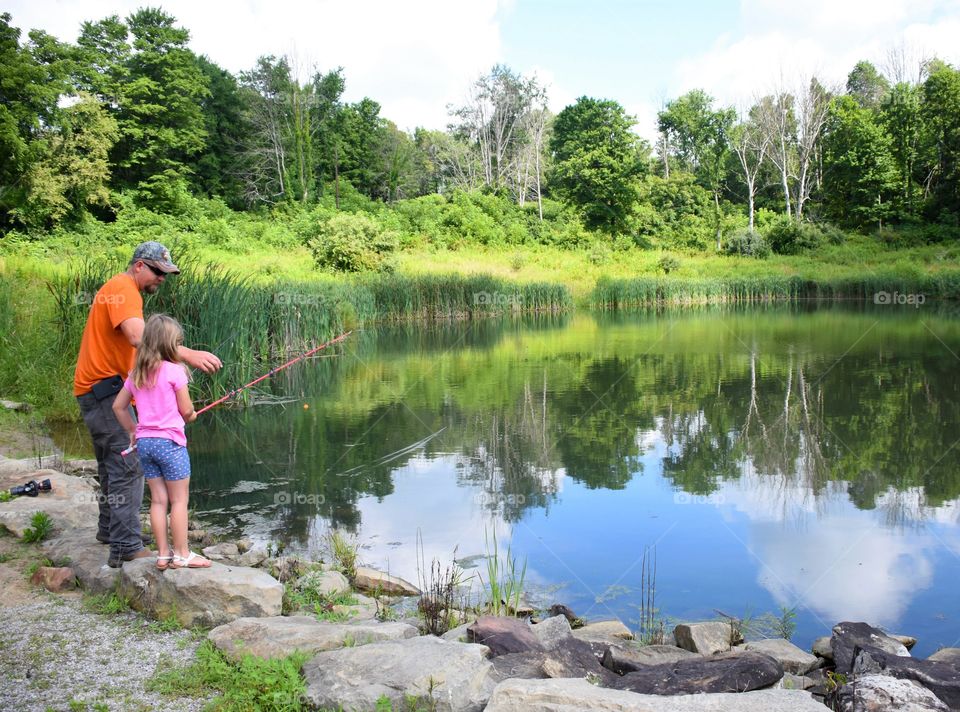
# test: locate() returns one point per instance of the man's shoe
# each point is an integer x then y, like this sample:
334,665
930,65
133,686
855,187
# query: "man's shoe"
103,539
116,562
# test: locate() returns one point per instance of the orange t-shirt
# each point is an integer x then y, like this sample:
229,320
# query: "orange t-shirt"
104,350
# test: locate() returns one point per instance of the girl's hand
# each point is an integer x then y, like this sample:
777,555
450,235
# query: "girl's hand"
190,418
133,441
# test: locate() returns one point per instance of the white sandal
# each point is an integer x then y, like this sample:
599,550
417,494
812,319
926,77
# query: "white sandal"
190,562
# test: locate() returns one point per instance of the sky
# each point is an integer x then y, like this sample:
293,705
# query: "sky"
417,57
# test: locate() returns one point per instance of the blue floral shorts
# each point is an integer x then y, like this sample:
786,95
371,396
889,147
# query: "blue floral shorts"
163,457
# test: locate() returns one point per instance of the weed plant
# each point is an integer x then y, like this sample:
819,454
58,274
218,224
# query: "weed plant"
343,552
40,527
106,603
440,592
504,584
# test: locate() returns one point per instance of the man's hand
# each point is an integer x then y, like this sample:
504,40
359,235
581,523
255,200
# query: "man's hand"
204,360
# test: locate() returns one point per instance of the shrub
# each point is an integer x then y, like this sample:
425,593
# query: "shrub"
747,244
668,264
351,243
790,237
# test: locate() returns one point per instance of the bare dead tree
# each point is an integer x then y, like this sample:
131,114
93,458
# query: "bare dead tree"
812,107
751,145
775,117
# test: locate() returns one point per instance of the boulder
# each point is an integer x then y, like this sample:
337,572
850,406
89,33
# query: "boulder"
224,552
324,583
625,658
908,640
942,679
71,502
946,655
572,695
849,637
207,597
503,635
724,672
458,634
821,648
374,581
441,675
789,681
604,632
14,405
279,636
704,638
80,467
793,659
551,632
86,556
879,693
54,578
558,609
251,557
364,609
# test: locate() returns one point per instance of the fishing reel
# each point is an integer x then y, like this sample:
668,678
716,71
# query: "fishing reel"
31,488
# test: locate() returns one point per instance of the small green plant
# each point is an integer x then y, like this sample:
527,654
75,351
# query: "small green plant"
440,589
40,527
785,625
5,557
835,680
5,496
504,580
34,565
652,626
343,552
305,598
167,624
668,264
106,603
250,684
517,261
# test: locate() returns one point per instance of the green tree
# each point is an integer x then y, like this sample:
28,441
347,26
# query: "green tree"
941,113
102,60
362,135
867,86
597,161
902,120
162,126
860,176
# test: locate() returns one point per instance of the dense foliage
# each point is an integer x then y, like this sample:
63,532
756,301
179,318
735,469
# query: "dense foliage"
129,115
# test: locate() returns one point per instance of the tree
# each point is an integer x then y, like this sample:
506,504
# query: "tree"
901,118
867,86
941,113
102,60
362,135
860,178
597,161
264,152
775,117
750,144
812,107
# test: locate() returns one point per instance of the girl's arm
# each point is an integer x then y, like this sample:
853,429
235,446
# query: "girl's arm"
185,405
121,409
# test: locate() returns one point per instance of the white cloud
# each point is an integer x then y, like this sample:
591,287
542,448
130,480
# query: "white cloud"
412,57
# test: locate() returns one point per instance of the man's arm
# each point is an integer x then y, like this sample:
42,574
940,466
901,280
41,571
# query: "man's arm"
207,362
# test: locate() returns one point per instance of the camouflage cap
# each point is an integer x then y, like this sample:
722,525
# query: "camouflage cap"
153,253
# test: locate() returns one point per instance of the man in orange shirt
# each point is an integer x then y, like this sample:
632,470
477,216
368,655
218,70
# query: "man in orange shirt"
107,349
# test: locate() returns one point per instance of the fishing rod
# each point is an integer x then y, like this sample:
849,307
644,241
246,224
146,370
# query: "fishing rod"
255,381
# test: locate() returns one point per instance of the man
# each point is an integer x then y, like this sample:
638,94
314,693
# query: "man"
107,350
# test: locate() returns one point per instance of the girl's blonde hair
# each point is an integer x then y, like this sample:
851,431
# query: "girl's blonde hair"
162,335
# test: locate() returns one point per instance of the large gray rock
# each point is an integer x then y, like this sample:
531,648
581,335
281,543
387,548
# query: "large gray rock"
793,659
324,583
849,637
879,693
71,502
705,638
946,655
279,636
908,640
625,657
605,632
942,679
442,675
503,635
575,695
205,597
724,672
79,549
552,632
821,648
374,581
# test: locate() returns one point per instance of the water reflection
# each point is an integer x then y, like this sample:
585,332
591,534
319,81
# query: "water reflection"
818,444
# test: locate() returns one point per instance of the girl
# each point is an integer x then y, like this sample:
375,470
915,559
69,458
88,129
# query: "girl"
158,382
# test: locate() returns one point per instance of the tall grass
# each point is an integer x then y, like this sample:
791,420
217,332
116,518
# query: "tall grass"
504,579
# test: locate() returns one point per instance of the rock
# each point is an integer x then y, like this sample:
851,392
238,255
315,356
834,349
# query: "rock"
946,655
704,638
458,634
54,578
792,658
558,609
77,468
625,658
206,597
604,632
196,535
503,635
14,405
879,693
86,556
364,609
252,557
225,552
371,580
942,679
443,676
848,637
71,502
724,672
821,647
244,545
572,695
551,632
327,584
279,636
908,640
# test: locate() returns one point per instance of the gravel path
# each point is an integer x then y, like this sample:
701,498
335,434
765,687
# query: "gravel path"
53,653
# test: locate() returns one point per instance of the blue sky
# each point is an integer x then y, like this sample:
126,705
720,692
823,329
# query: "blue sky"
416,57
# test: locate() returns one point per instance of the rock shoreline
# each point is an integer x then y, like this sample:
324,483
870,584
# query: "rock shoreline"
358,657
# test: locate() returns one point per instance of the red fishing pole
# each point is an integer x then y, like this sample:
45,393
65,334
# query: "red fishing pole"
265,376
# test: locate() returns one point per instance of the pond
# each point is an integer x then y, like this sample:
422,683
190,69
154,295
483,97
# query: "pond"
782,456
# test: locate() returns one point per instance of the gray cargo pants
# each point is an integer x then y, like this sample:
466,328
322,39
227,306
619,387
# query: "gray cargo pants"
121,479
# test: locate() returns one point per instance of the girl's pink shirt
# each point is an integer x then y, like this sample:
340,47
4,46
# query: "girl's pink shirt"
157,413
